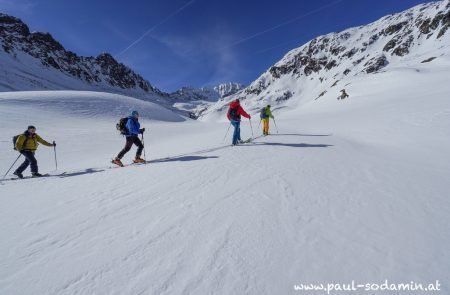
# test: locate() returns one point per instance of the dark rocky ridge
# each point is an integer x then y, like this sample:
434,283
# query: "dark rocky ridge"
15,36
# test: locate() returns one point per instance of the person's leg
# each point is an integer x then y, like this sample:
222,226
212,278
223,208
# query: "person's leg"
140,146
127,147
33,163
239,130
236,131
24,165
266,126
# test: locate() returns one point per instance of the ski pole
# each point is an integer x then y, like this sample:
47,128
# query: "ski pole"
11,167
54,149
259,124
145,157
227,132
275,124
251,127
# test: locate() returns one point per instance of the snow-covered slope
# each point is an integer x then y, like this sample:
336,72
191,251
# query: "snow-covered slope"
347,190
86,104
319,69
353,189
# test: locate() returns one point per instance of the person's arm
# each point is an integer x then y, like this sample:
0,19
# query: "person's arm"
243,113
19,142
40,140
269,112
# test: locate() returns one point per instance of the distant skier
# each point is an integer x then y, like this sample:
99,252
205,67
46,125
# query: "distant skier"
132,130
27,144
265,116
234,115
343,95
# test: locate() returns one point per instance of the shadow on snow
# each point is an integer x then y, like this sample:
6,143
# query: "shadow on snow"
181,159
296,145
298,134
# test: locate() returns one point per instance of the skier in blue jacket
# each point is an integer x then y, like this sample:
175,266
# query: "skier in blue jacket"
134,129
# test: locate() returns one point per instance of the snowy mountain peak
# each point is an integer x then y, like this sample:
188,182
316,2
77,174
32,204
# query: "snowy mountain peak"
227,89
208,93
23,51
417,35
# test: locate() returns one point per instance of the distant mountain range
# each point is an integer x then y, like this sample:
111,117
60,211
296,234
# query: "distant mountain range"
36,61
212,93
319,68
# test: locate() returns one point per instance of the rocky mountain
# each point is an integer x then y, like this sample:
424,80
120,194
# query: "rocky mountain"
36,61
212,93
328,63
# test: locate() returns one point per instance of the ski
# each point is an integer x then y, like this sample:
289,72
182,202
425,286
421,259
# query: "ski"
29,177
34,177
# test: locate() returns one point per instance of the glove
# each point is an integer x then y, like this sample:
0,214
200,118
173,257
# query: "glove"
249,117
54,143
141,131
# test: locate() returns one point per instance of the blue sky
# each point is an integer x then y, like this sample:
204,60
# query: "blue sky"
174,43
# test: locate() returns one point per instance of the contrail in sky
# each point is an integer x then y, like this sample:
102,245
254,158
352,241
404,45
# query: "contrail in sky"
157,25
284,23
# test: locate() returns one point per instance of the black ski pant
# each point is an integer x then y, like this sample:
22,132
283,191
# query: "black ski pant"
29,159
130,141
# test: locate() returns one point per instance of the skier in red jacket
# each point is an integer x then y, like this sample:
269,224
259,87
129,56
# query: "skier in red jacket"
234,115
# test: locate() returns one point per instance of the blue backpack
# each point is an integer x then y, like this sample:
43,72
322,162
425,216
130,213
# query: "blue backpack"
263,114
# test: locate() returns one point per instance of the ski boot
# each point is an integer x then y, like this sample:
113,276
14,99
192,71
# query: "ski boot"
139,160
36,174
117,162
20,175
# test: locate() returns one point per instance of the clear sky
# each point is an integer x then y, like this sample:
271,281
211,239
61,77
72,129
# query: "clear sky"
174,43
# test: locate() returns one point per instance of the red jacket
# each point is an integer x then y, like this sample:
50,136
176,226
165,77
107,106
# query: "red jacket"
240,111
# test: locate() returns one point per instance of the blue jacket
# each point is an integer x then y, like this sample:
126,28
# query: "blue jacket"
133,126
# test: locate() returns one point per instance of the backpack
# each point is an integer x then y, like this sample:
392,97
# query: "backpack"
263,114
14,139
122,126
234,114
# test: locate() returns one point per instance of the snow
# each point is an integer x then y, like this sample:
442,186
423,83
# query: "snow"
347,190
305,88
342,190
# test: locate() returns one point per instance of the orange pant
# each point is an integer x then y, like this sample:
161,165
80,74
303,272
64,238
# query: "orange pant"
265,123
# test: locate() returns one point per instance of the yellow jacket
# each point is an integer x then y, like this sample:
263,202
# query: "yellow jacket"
31,143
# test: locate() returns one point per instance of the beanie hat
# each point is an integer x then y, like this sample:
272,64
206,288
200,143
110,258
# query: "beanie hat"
31,127
134,113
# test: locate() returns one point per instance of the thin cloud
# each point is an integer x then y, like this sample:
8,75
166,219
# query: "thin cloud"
156,26
284,23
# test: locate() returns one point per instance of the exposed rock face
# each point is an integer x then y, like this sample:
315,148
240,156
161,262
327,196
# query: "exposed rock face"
367,49
15,37
212,93
408,39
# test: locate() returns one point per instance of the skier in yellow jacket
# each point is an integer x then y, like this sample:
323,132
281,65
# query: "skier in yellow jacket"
27,144
265,116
